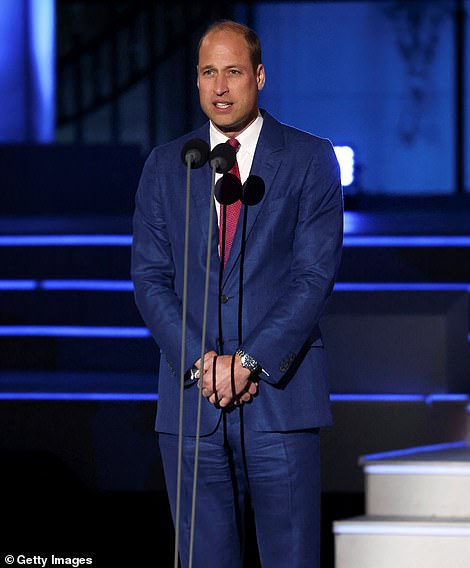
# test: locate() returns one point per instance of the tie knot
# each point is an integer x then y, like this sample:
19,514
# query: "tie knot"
234,143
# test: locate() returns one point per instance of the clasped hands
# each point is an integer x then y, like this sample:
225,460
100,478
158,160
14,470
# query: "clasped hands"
218,385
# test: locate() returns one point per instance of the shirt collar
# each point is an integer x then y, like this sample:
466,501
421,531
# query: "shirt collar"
248,138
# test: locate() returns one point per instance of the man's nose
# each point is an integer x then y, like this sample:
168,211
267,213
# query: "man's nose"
221,85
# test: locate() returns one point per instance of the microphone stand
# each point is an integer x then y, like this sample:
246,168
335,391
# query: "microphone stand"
182,364
221,159
252,194
194,155
201,370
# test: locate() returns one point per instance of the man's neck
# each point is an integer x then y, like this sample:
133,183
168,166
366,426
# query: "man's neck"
234,133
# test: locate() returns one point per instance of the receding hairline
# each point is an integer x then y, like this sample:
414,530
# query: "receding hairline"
250,36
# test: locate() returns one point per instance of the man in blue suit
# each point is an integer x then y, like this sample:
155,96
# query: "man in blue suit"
260,418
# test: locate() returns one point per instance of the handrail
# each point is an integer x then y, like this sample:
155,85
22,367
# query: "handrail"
81,93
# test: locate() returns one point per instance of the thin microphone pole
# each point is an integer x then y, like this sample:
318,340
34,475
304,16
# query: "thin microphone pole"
182,367
222,158
201,369
194,154
252,194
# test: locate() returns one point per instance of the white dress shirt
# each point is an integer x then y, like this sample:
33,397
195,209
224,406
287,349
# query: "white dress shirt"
248,140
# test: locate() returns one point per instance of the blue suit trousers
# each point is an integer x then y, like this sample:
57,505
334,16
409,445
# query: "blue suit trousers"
279,471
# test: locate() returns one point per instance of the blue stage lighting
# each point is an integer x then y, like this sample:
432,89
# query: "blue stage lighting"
394,454
401,287
72,331
364,397
397,397
127,397
42,54
84,285
406,241
65,240
61,285
126,240
27,70
9,285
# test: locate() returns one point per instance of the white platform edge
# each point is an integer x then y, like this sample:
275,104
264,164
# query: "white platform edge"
408,527
418,469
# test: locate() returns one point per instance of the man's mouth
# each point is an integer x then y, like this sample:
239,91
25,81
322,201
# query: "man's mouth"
222,105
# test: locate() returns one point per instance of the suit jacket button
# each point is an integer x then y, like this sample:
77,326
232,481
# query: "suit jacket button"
224,299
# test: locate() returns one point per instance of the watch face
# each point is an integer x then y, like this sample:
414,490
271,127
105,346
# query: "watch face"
250,364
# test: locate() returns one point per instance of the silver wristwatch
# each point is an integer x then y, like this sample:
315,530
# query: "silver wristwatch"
248,362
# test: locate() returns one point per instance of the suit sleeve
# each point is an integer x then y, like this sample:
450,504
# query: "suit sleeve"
289,326
153,273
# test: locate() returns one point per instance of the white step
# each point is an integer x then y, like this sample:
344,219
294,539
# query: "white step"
388,542
399,421
419,483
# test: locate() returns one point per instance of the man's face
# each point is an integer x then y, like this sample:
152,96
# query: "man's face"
228,85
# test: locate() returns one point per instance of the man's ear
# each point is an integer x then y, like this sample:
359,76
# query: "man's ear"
260,76
197,75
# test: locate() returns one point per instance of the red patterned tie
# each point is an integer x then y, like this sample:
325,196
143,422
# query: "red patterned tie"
232,211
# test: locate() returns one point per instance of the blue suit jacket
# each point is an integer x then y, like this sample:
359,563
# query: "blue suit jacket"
293,249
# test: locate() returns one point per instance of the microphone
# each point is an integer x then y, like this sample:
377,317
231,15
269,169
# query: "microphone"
222,157
252,190
195,153
228,189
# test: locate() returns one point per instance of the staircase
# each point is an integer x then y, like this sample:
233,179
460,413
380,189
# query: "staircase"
66,298
417,511
113,64
78,369
400,320
397,333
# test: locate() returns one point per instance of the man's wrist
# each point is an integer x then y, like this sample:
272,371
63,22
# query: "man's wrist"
192,375
250,363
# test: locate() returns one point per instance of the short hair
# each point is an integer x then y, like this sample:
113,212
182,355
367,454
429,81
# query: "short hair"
252,40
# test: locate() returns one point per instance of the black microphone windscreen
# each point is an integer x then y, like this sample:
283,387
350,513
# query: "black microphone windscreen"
228,189
252,190
222,157
196,151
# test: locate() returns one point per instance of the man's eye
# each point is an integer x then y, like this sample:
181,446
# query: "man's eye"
208,72
234,72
